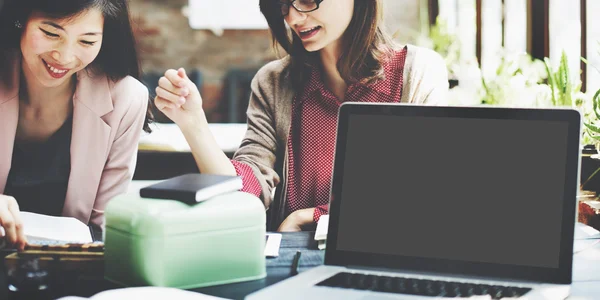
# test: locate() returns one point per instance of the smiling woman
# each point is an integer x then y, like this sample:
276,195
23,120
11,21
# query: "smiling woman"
80,39
71,107
337,51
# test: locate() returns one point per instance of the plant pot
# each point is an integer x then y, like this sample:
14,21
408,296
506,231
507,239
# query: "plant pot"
590,163
589,214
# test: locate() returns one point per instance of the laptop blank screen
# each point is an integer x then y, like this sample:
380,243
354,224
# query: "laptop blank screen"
460,189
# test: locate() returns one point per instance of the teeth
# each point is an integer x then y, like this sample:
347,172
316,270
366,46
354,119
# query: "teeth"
305,31
54,70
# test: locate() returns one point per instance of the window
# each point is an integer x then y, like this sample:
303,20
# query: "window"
593,45
491,36
544,28
565,34
466,27
515,25
449,12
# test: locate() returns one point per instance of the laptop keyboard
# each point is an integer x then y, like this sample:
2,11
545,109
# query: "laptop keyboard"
421,287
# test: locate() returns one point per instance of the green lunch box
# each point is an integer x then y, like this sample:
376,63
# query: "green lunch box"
172,244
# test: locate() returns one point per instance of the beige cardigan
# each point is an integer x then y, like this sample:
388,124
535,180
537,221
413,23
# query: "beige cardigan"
269,119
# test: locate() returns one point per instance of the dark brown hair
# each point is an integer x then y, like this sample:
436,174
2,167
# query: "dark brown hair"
118,56
365,44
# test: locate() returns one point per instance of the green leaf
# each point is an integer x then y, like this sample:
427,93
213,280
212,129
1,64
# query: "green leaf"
584,60
551,82
564,80
592,127
488,93
595,104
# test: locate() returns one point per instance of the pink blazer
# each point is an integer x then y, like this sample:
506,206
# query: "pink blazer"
107,122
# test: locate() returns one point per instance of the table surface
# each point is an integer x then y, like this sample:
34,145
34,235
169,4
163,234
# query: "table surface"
586,270
277,269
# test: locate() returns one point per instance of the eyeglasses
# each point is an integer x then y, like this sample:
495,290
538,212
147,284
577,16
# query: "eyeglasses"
303,6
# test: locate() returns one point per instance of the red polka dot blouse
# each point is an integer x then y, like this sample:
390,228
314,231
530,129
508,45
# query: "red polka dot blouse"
311,146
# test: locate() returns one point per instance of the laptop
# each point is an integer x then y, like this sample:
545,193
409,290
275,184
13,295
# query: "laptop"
447,202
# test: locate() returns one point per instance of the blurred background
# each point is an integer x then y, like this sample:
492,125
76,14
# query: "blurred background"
223,43
539,53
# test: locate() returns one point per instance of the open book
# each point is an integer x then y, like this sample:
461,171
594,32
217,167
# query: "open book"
43,229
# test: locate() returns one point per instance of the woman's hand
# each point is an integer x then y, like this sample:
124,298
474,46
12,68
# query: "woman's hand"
11,222
296,220
178,98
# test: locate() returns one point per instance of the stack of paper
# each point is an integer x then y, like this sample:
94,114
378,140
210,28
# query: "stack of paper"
321,233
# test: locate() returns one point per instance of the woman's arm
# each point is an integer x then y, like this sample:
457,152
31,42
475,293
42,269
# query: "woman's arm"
179,99
426,78
254,161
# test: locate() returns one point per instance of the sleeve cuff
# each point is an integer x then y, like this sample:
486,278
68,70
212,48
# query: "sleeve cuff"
249,180
319,211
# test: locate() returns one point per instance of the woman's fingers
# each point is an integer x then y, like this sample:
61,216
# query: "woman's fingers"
181,73
162,103
167,85
175,99
175,79
21,240
8,222
177,92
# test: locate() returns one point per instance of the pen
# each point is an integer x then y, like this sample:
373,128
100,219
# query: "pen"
295,263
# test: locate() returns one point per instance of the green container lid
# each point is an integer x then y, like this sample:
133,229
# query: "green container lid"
151,217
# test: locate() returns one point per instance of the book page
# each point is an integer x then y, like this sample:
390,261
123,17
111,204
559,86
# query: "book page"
64,229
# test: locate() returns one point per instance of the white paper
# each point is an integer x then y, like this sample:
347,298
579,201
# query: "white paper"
63,229
168,137
272,245
143,293
322,226
322,244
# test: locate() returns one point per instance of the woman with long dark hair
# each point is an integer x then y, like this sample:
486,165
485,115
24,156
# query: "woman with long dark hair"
337,51
71,106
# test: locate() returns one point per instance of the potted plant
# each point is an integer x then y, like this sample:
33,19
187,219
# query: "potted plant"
520,81
565,93
589,207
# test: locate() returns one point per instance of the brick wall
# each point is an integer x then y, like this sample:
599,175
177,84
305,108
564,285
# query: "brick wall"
166,41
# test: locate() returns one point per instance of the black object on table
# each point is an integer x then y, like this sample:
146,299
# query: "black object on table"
160,165
278,269
295,262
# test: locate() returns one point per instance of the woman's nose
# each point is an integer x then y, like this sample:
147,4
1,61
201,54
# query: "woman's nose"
294,17
63,54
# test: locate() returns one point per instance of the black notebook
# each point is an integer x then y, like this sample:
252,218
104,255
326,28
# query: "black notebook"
192,188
